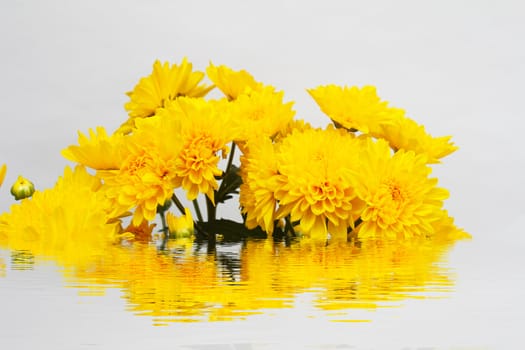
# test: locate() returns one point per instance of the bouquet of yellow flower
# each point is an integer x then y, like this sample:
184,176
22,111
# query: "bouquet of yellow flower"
366,175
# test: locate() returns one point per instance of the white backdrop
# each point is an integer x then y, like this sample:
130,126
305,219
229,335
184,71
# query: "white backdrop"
457,67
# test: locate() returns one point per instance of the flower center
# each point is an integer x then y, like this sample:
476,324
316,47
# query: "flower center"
135,165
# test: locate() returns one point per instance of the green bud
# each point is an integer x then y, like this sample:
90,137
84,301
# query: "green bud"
22,188
164,207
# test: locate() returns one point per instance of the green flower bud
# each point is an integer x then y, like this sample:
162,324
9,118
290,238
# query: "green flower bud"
164,207
22,188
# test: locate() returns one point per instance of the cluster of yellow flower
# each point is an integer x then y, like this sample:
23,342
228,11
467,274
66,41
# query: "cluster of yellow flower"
366,174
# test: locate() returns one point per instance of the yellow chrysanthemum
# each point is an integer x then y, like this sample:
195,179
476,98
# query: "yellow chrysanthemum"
165,83
67,222
260,113
354,108
3,170
181,226
205,132
99,151
146,175
140,233
408,135
317,192
445,231
401,199
232,83
260,179
294,125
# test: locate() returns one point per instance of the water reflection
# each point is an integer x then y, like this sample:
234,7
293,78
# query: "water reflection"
186,280
191,281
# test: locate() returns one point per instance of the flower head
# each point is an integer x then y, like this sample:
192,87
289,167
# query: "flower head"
260,178
145,176
165,83
69,221
260,113
404,133
317,190
139,233
205,132
354,108
99,151
232,83
401,200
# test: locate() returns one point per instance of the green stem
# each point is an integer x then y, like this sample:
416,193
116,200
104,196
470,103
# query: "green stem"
197,209
288,226
230,158
178,204
228,166
165,229
211,209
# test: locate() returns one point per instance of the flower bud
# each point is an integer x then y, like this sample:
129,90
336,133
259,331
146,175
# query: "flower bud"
180,227
161,208
22,188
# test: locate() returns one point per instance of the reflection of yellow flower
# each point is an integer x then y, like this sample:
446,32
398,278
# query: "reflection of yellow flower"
100,151
205,132
181,226
317,192
166,83
404,133
231,83
68,222
184,285
260,179
401,200
354,108
260,113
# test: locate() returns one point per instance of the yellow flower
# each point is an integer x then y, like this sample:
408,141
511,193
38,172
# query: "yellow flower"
140,233
182,226
99,151
146,174
3,170
401,200
165,83
232,83
445,231
205,131
354,108
22,188
294,125
406,134
260,179
317,192
260,113
68,222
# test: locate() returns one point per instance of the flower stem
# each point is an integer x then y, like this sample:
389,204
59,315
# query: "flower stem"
211,209
230,158
197,209
165,229
178,204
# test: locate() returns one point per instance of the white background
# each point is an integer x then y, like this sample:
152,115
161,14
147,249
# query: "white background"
455,66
